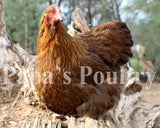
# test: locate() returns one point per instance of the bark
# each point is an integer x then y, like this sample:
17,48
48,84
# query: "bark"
3,32
79,25
6,55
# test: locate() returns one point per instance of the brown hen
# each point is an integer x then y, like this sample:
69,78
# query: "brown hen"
104,48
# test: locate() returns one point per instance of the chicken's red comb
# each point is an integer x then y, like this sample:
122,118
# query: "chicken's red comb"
57,9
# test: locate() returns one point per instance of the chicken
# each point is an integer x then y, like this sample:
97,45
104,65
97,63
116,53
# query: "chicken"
71,88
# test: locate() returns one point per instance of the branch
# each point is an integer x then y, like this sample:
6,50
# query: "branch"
79,24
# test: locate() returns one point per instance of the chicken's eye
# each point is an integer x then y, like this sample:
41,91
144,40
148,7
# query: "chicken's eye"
50,12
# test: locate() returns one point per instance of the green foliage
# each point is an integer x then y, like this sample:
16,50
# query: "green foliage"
14,22
18,13
144,21
137,66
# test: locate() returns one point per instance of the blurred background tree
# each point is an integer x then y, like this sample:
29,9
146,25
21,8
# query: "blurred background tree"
22,16
142,16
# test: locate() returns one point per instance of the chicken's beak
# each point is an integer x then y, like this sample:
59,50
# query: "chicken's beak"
58,17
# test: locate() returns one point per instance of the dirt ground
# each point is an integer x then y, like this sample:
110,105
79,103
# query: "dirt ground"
151,94
13,116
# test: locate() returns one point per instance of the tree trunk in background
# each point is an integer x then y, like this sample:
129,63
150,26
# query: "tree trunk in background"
26,26
114,7
109,7
50,2
117,7
89,16
59,3
55,2
113,10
